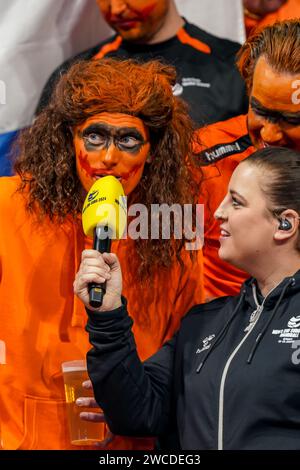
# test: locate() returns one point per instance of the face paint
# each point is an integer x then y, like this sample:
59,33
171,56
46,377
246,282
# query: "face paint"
135,20
273,117
263,7
111,144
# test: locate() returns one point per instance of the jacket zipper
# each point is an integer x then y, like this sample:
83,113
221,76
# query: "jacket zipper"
227,365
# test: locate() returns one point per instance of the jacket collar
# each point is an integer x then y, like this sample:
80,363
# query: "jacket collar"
274,294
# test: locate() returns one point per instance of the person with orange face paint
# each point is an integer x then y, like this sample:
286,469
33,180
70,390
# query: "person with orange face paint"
111,144
261,13
269,62
105,118
207,78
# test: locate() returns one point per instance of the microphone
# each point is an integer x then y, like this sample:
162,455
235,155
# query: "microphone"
104,217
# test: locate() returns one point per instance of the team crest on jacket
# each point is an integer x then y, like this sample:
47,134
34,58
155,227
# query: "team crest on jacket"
206,343
289,334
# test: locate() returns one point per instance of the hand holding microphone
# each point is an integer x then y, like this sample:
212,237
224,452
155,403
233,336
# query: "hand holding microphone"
99,269
104,218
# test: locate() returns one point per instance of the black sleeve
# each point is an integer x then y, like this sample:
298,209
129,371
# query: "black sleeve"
135,396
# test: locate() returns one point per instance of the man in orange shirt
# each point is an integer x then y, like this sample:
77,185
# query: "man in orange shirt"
261,13
269,62
106,117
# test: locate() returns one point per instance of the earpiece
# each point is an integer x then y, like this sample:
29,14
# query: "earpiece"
285,224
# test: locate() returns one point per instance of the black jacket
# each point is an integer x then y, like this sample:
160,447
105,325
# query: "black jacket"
209,83
214,385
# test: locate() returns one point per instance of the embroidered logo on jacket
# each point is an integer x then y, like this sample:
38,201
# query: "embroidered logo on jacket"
220,151
206,343
188,81
191,81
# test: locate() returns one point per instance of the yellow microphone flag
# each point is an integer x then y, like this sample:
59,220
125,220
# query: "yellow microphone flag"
105,204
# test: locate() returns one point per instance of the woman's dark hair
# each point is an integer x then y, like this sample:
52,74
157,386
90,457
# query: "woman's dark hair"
282,184
46,161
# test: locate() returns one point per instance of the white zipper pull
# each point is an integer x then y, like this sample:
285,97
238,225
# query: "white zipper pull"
253,318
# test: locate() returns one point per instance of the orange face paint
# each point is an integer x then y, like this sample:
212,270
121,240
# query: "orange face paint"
274,110
263,7
135,20
111,144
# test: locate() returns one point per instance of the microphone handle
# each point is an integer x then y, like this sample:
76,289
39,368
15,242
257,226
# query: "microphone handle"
102,243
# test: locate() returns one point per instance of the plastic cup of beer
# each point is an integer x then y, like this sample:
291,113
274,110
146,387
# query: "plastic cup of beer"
82,433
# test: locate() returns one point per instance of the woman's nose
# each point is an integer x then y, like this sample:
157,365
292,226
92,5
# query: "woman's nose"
220,212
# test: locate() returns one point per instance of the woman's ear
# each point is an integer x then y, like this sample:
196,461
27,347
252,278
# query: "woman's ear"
288,225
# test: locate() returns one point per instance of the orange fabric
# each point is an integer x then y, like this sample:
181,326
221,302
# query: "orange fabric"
290,10
42,324
110,47
220,278
185,38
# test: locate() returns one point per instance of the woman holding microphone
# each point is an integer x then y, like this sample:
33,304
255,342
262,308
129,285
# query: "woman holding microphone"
229,378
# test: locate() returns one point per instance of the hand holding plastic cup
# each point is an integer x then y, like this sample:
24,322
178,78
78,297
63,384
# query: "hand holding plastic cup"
82,433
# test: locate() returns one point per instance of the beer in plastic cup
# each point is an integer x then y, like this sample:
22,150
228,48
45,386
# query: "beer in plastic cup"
82,433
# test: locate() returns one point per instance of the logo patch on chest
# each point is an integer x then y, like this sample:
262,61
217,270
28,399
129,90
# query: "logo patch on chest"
289,334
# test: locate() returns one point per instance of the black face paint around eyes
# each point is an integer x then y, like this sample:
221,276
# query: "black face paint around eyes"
95,147
90,147
292,121
274,116
112,131
134,149
112,134
271,116
95,128
129,132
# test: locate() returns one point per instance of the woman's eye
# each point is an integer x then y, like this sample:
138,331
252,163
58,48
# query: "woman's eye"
235,202
95,139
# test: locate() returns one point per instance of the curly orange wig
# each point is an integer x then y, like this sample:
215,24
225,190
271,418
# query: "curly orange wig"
46,162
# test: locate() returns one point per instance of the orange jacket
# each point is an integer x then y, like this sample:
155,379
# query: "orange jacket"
290,10
223,146
42,323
